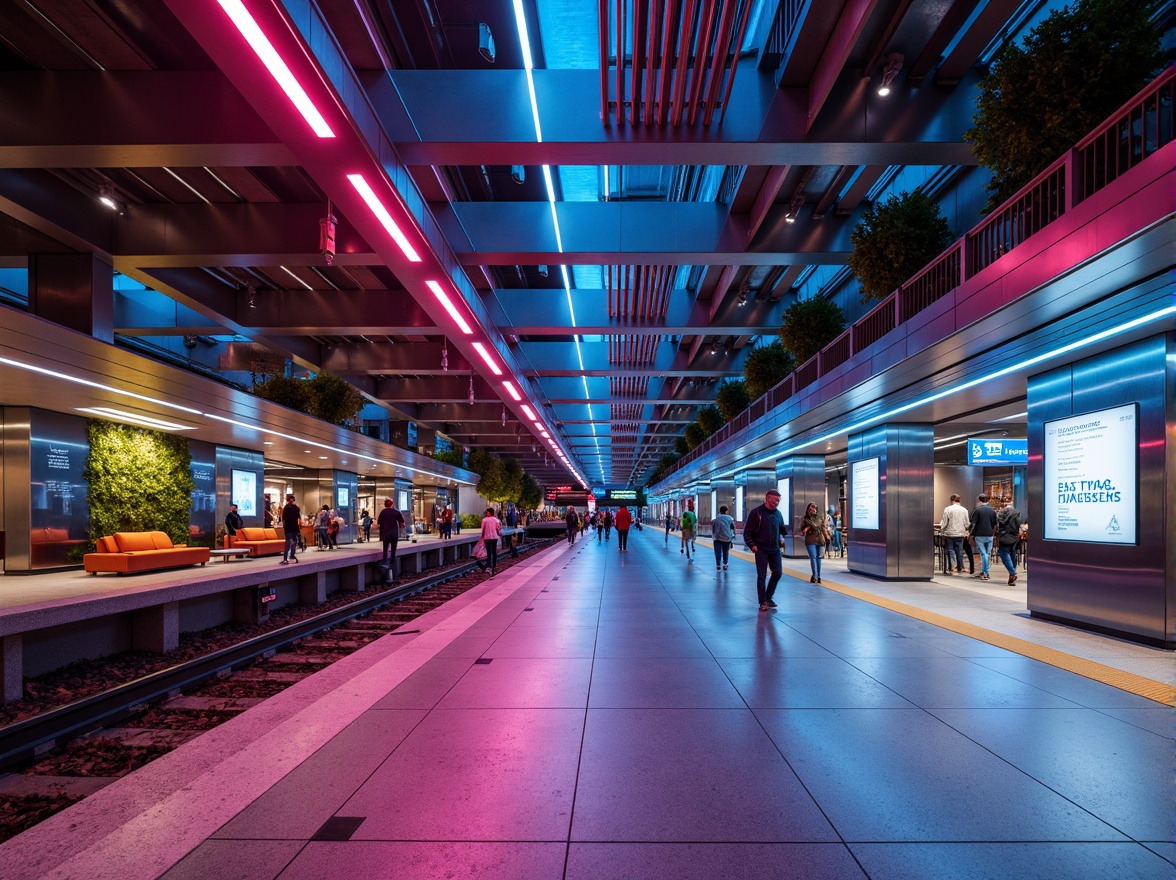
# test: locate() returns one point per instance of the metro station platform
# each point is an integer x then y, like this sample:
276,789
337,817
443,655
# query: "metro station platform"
592,714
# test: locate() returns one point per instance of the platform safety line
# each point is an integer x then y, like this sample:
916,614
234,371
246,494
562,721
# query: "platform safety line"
1126,681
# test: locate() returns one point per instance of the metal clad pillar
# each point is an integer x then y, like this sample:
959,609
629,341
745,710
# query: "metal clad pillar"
75,291
891,505
1096,561
801,481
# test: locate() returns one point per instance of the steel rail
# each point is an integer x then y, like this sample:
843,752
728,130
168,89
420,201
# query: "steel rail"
24,739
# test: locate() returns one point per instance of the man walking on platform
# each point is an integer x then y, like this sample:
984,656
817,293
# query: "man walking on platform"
292,527
983,528
573,523
390,522
953,527
763,534
623,520
689,524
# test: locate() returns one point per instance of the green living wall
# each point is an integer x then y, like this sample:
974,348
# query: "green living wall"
139,481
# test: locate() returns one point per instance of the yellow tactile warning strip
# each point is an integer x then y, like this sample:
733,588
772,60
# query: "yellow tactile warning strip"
1126,681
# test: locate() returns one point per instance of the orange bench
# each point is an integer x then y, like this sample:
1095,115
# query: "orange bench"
129,552
262,542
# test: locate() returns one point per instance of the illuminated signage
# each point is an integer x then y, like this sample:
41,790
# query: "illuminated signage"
864,493
245,492
990,452
1091,477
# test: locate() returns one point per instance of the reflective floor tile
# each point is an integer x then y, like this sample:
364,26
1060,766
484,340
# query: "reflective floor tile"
808,683
638,647
382,860
529,641
655,683
476,774
953,682
1011,861
1068,685
298,805
1118,772
1160,720
236,860
712,861
903,775
533,683
677,775
427,685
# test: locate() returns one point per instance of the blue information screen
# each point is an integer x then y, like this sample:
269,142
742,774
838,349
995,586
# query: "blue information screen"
990,452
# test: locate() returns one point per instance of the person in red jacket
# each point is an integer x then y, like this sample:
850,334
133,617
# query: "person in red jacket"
622,521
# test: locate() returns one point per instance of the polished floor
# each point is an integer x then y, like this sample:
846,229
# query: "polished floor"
592,714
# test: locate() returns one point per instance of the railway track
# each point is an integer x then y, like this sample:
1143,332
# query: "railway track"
63,754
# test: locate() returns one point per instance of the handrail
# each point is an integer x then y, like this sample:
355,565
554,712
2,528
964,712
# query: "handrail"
1136,131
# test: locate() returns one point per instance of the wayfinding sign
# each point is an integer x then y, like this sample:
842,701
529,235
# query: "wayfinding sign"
983,452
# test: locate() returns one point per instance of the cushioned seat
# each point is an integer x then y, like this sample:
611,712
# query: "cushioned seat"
129,552
260,542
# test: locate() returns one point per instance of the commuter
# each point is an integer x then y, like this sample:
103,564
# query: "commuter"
267,515
365,519
447,522
333,530
573,523
623,521
584,523
983,528
815,536
292,528
598,524
689,523
233,521
1008,535
837,546
669,525
722,534
390,522
322,523
763,533
608,524
953,527
491,532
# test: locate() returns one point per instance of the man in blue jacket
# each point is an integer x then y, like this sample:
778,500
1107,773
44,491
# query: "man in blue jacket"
763,534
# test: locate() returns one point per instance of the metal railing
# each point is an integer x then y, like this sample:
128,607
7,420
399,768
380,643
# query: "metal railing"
1137,131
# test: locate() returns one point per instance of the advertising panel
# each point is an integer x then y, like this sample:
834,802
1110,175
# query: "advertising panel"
244,493
783,487
863,489
983,452
344,496
1091,477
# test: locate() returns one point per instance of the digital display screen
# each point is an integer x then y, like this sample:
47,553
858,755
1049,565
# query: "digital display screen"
983,452
244,493
344,497
1091,477
863,487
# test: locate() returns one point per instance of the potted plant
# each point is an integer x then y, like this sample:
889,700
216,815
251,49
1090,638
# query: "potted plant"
810,325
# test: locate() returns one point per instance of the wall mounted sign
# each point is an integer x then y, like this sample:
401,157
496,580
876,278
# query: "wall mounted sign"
985,452
865,494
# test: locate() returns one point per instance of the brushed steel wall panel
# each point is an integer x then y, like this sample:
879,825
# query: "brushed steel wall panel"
17,522
902,547
807,486
1127,588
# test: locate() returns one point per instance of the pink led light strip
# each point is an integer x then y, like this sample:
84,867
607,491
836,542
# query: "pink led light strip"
276,66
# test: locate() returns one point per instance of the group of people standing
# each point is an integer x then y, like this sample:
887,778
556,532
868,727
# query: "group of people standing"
604,521
983,526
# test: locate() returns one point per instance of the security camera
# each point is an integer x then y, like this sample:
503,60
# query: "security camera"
543,270
518,173
485,42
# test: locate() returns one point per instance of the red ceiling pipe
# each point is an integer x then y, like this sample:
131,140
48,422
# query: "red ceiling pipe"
734,64
654,33
719,68
620,62
666,67
702,65
602,12
685,41
640,14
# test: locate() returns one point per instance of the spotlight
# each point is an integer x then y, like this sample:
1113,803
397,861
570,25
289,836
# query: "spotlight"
889,72
518,173
107,197
485,42
471,390
543,271
794,208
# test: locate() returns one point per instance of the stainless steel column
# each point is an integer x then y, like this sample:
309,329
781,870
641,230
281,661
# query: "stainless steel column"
902,547
806,484
1125,588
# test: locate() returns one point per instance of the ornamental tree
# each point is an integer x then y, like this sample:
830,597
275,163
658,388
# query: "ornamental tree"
810,325
766,367
894,240
1072,71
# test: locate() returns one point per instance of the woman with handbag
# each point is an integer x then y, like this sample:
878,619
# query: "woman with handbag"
813,529
491,532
